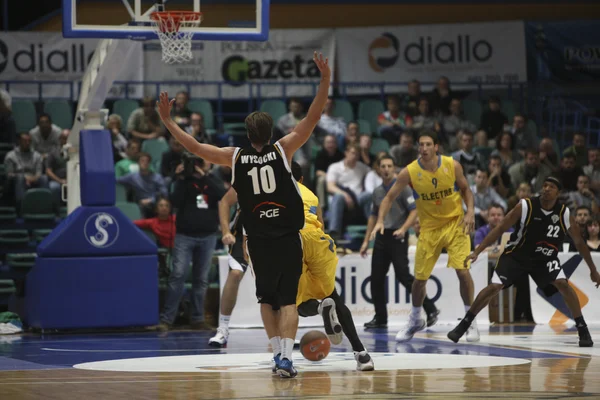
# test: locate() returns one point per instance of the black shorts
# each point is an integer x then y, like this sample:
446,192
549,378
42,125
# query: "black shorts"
236,255
510,269
277,265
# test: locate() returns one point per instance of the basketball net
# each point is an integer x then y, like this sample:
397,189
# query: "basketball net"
176,44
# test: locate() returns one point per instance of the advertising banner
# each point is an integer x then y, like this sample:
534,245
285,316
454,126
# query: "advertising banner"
490,53
353,285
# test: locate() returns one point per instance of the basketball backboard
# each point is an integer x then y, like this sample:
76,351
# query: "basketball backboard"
130,19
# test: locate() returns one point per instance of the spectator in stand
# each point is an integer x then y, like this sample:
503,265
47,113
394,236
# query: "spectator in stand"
287,123
493,119
523,137
394,121
505,149
197,129
56,169
578,149
163,225
146,185
593,169
499,178
425,120
330,124
410,101
405,152
119,143
222,173
530,171
346,189
328,155
144,123
129,164
181,113
548,156
170,160
593,235
8,128
583,196
582,215
495,213
441,97
24,168
455,122
373,178
523,192
469,160
484,196
569,172
351,136
45,137
365,142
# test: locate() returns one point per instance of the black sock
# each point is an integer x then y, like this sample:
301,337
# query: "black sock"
469,317
580,322
345,317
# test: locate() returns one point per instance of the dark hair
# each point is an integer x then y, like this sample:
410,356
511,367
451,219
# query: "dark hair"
260,127
533,151
144,154
495,157
484,170
45,115
385,157
296,171
569,154
295,100
499,140
495,205
583,208
353,146
430,134
134,141
578,134
20,135
520,115
585,176
494,99
394,98
466,132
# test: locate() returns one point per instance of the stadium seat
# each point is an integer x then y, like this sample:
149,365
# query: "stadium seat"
21,260
24,114
472,110
364,126
38,205
343,109
8,214
205,108
121,193
40,234
131,210
275,108
379,145
156,148
14,238
124,108
532,127
369,110
509,109
61,112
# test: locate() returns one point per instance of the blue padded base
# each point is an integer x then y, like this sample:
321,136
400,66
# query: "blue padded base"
107,292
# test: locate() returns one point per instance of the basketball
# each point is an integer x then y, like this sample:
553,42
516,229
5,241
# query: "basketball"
314,345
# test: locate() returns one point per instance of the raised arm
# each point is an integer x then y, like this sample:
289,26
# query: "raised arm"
225,204
215,155
402,181
295,139
467,195
582,248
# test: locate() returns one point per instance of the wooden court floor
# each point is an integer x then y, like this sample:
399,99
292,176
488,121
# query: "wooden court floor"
518,362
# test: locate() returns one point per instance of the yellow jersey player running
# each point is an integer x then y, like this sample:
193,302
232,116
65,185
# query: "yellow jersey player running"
440,186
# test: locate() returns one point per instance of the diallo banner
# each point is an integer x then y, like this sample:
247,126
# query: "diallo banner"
488,53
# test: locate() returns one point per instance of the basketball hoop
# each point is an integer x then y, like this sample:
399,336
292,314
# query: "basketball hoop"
176,44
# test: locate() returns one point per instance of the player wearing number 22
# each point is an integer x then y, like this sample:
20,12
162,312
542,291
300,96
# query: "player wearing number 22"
271,208
439,187
540,227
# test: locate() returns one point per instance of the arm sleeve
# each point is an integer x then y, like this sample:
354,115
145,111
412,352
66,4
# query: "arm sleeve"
143,223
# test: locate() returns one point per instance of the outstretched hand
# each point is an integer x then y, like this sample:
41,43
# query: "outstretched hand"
322,64
164,106
595,278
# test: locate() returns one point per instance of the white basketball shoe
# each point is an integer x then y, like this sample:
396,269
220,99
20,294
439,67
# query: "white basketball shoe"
220,338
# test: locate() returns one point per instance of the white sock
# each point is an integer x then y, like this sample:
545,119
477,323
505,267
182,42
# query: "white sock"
467,308
287,346
276,345
224,321
416,313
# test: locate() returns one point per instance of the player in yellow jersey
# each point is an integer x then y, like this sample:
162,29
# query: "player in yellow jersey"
440,187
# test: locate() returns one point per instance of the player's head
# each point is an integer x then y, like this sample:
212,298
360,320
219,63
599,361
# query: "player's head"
260,128
551,188
428,144
297,172
386,166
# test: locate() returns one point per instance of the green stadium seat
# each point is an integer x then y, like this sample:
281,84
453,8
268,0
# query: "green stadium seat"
509,109
7,287
343,109
275,108
8,214
38,205
380,145
369,110
131,210
124,108
121,193
156,148
61,112
235,128
40,234
205,108
14,238
24,114
472,110
364,126
62,212
21,260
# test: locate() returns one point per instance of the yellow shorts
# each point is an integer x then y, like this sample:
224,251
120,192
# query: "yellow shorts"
320,263
430,245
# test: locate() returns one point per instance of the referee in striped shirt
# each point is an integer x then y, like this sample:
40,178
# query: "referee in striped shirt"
392,246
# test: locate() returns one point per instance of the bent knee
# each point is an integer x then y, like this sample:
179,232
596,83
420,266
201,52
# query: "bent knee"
561,283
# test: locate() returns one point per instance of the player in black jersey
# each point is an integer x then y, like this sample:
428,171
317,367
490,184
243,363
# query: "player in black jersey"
541,224
271,207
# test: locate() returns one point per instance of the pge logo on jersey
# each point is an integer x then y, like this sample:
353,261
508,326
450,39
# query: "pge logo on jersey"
101,230
272,213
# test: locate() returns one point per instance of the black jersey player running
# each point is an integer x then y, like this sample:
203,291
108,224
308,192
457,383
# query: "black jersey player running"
272,209
540,227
